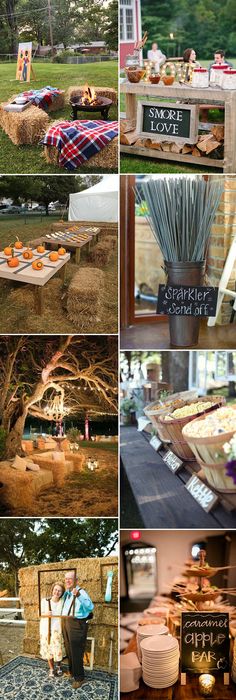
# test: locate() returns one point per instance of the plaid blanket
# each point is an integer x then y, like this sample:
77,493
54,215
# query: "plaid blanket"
43,97
79,140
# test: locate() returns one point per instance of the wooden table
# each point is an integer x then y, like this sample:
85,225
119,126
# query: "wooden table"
183,93
161,496
73,238
178,692
26,274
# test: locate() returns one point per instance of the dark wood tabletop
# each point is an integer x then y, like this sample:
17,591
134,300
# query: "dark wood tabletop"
161,496
178,692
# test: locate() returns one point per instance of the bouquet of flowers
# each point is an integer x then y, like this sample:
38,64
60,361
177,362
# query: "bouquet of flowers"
230,451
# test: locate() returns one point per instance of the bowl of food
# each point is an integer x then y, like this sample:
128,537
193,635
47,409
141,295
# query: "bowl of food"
20,100
135,74
155,79
168,79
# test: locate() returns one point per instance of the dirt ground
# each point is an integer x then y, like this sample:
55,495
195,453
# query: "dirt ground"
11,642
84,494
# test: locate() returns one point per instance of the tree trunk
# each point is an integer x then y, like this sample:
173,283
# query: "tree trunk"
13,441
175,369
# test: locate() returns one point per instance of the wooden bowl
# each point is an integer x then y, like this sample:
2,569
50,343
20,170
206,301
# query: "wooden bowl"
134,75
154,79
168,79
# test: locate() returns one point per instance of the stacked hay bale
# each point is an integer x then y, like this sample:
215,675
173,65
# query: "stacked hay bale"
92,576
111,240
101,253
21,488
26,127
57,103
85,295
74,92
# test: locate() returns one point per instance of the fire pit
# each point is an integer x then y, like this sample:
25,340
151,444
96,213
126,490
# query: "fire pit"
90,102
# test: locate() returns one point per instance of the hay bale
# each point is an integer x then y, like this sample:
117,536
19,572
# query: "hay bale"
26,127
107,158
75,91
57,103
111,240
101,254
85,295
21,488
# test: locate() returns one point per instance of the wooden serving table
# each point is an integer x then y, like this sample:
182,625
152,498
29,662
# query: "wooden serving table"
38,278
185,93
178,692
160,495
73,238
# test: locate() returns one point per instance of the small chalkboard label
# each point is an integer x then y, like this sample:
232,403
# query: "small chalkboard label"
202,494
166,121
185,300
204,642
155,443
172,461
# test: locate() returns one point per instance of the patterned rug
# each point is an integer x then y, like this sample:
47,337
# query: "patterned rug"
27,679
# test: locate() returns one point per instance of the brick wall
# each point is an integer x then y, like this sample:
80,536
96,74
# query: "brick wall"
223,232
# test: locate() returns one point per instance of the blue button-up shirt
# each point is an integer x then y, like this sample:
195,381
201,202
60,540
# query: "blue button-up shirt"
83,604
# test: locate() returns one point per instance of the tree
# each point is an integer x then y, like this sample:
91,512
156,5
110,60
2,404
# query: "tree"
44,190
111,25
28,541
175,369
34,369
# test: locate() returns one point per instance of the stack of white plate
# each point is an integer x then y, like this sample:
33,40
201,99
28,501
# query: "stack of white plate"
145,631
160,661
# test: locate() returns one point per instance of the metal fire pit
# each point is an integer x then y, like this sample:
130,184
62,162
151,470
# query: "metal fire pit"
102,105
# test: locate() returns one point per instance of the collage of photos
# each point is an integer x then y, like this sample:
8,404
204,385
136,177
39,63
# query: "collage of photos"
117,350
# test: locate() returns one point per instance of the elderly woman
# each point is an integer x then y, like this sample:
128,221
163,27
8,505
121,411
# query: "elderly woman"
51,639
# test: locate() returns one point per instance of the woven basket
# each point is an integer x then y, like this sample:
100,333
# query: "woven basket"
153,411
209,454
181,447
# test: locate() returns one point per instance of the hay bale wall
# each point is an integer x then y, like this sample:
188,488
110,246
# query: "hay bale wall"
92,576
85,295
26,127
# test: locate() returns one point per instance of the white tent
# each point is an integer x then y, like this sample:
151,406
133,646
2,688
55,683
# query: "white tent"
98,203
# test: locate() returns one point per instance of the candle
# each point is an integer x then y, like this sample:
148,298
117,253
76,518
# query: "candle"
206,684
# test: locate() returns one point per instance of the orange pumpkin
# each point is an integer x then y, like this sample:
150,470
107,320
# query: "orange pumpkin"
13,262
27,255
40,249
61,251
53,256
37,264
18,244
8,250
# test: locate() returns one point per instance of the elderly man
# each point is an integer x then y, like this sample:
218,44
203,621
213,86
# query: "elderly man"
156,55
77,608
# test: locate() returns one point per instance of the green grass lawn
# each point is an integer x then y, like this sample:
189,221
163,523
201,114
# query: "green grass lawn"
139,164
29,159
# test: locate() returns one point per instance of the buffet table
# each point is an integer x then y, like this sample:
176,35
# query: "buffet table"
177,692
185,93
160,495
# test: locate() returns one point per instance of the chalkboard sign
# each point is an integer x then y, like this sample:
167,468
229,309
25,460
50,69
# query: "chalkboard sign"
204,642
155,443
202,493
168,121
172,461
185,300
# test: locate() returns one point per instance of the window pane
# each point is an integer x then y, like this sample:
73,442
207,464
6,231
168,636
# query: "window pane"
121,24
129,24
149,264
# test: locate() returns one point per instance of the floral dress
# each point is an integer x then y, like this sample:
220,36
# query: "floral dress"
51,639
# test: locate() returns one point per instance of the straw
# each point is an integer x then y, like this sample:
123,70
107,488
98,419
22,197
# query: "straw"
181,211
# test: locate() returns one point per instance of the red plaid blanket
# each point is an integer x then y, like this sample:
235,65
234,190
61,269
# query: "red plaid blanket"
43,97
79,140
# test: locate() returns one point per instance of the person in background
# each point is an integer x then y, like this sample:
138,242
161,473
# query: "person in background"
219,59
51,640
189,57
156,55
77,607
